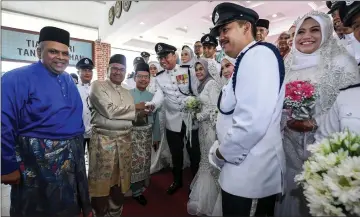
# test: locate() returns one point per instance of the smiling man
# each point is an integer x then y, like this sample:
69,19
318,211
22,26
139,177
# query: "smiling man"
112,113
249,149
146,130
42,134
173,85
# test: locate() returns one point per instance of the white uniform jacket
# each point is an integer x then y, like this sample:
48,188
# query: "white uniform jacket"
84,90
344,114
352,45
171,85
250,138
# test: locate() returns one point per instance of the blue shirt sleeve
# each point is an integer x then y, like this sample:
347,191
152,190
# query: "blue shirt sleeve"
9,122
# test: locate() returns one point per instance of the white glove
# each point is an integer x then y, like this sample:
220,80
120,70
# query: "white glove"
213,159
149,104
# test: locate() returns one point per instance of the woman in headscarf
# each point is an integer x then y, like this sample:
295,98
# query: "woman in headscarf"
316,57
227,69
291,33
154,69
282,44
187,56
204,187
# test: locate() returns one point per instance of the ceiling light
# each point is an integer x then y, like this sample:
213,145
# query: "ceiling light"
248,1
142,23
274,15
185,27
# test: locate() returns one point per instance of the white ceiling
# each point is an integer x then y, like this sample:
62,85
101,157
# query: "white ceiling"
140,28
74,16
193,17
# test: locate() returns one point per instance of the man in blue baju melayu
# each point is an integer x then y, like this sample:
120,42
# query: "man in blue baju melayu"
42,155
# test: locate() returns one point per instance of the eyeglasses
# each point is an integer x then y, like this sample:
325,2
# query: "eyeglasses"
143,76
115,69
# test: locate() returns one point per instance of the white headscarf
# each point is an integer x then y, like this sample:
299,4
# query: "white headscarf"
334,66
191,53
224,80
152,86
156,64
231,60
302,60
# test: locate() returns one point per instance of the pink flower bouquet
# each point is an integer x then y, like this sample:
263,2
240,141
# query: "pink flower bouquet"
300,97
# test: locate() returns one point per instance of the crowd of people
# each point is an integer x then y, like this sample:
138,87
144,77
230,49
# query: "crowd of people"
241,145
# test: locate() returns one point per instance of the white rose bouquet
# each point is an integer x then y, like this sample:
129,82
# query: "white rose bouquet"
191,107
331,176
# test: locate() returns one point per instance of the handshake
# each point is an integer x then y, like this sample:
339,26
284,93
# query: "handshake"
144,108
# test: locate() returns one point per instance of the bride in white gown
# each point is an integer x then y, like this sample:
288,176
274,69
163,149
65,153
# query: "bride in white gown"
204,187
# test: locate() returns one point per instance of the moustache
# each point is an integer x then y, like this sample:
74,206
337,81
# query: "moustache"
223,41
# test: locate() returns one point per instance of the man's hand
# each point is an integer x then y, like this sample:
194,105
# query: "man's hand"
140,106
11,178
156,145
302,126
150,107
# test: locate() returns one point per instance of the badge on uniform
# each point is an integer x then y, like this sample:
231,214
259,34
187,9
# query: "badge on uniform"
182,79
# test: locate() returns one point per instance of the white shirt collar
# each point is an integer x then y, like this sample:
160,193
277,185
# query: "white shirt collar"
246,47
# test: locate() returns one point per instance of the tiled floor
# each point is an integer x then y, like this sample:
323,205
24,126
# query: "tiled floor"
5,194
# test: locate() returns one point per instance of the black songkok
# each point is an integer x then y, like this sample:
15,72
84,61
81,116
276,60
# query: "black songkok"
118,58
142,67
50,33
263,23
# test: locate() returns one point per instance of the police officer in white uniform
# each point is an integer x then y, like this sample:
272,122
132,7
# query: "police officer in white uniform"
173,85
343,115
209,44
130,83
85,70
249,149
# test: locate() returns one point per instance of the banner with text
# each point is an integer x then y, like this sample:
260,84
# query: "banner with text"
21,46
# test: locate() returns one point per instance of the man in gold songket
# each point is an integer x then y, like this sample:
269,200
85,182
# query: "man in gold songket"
112,113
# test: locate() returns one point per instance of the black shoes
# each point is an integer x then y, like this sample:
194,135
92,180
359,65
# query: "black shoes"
173,188
141,200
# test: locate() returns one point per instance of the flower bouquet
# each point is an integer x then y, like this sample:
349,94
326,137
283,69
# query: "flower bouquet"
331,176
300,99
191,107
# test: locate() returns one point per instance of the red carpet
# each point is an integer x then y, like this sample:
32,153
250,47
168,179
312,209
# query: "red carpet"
160,203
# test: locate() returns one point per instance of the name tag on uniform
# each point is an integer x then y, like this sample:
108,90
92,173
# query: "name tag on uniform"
182,79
